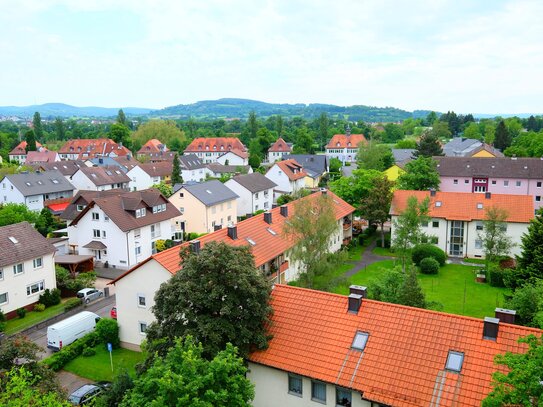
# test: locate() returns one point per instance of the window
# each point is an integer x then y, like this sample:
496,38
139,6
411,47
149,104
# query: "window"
141,300
478,244
140,212
295,385
137,233
360,340
96,233
538,198
455,182
518,183
95,216
479,206
424,224
155,230
435,223
138,250
266,205
494,182
3,298
1,274
505,183
343,397
538,185
438,204
35,288
256,195
479,226
38,262
106,218
18,268
143,327
103,234
454,361
466,181
479,188
80,208
318,392
181,194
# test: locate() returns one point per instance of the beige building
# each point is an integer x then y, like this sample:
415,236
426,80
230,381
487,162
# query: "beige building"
204,207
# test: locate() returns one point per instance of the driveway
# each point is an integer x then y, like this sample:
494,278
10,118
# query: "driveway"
70,381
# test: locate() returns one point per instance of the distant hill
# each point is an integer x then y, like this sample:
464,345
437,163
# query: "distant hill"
49,110
240,108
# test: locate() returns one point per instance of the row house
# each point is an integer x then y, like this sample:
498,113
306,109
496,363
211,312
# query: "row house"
344,147
456,219
512,176
339,350
121,229
43,156
82,149
34,188
278,149
27,267
18,154
143,176
263,234
288,175
100,178
210,149
255,192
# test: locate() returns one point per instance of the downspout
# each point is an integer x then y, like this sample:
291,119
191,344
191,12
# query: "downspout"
127,250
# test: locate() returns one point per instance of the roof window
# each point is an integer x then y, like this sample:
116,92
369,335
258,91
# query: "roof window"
208,191
479,206
13,240
360,340
54,181
438,204
454,361
251,241
28,183
273,232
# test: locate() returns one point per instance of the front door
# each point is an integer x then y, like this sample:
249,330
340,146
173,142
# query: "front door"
456,247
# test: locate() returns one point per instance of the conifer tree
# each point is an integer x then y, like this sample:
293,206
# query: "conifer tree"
38,129
502,140
530,261
176,171
428,145
411,293
121,117
30,138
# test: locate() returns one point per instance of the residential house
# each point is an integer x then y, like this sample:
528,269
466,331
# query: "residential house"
466,147
82,199
343,350
210,149
146,175
34,188
18,154
401,157
278,149
152,149
43,156
82,149
100,178
344,147
255,192
193,169
457,219
67,168
315,166
27,267
289,176
205,206
403,154
217,170
123,163
263,234
516,176
121,229
234,157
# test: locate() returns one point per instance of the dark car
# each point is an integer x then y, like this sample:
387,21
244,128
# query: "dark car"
87,393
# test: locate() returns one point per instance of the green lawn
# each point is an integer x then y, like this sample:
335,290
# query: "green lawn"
98,367
383,252
33,317
448,288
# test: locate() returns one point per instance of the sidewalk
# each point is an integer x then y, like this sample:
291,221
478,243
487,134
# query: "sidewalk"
368,257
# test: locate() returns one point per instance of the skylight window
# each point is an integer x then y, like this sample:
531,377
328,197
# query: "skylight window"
438,204
40,182
479,206
273,232
93,175
109,173
208,191
251,241
13,240
455,361
54,181
360,340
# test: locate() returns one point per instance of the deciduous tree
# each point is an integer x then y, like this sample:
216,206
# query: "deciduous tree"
164,130
528,302
376,205
420,174
356,187
165,189
30,138
496,241
119,133
374,157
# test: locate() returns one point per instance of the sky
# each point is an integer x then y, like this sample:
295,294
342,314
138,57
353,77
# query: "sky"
477,56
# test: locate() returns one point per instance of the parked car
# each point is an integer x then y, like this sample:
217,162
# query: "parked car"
89,294
113,313
68,330
87,393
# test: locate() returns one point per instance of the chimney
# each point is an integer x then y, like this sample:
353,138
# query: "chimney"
268,217
233,232
355,300
432,192
488,195
283,210
101,160
359,289
490,328
324,191
195,246
217,227
505,315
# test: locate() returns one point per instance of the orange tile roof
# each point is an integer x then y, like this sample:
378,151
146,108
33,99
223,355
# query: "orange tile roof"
267,247
464,205
345,141
292,169
90,148
405,354
216,144
280,146
20,149
153,146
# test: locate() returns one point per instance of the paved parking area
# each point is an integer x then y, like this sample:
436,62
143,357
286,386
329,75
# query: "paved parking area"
71,382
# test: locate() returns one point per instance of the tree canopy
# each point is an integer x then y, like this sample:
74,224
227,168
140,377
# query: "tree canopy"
356,187
176,171
374,157
420,175
530,261
496,241
429,145
164,130
375,206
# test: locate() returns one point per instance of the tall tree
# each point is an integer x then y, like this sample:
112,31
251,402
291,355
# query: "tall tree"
376,205
374,157
502,140
528,302
252,124
322,133
430,118
38,127
429,145
356,187
393,133
473,131
223,281
60,129
530,261
531,124
30,138
121,118
411,293
279,124
164,130
176,171
304,143
119,133
420,174
184,377
496,241
312,225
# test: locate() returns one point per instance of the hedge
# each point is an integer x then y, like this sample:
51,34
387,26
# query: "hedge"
425,250
496,276
429,265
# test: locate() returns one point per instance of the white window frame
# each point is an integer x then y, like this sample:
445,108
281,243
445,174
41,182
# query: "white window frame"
7,298
16,267
36,261
40,288
95,216
1,274
140,324
96,233
139,297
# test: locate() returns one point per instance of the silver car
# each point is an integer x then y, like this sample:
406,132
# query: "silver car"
87,295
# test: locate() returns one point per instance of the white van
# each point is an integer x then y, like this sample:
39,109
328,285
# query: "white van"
68,330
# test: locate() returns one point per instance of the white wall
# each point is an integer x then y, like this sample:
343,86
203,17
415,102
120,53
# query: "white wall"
233,159
274,156
249,202
139,179
81,182
10,194
196,175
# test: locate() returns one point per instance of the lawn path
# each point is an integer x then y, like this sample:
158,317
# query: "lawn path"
368,257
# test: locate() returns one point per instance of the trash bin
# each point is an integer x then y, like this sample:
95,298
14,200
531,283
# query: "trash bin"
106,292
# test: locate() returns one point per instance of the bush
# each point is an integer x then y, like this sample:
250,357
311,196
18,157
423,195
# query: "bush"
39,307
429,265
423,251
108,331
68,353
88,352
495,276
361,238
50,297
71,304
387,241
21,312
2,321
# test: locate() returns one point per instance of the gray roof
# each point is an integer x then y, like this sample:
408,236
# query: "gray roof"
67,168
211,192
105,175
37,183
402,154
227,169
254,182
190,162
502,167
314,165
20,242
460,146
108,162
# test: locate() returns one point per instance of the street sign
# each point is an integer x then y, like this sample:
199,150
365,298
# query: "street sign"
110,349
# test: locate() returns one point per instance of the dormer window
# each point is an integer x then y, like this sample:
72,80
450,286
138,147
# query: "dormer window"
337,144
140,213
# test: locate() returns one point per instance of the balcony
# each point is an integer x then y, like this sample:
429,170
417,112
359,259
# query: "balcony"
283,267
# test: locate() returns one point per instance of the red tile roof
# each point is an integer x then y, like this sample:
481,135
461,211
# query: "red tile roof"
405,355
464,206
280,146
43,156
268,246
346,141
292,169
153,146
216,144
20,149
90,148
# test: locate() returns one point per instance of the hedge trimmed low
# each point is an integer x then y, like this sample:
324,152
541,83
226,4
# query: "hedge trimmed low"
425,250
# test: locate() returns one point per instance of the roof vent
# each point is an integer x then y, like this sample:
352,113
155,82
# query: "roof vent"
324,191
233,232
359,289
490,328
268,217
488,195
195,246
479,206
355,300
284,210
514,157
432,192
505,315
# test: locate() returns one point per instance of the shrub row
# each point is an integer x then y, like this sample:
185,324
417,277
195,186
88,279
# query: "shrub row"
423,251
71,304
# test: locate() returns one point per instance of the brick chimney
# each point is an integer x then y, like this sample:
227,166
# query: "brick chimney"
268,217
490,328
233,232
195,246
283,209
359,289
355,300
505,315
